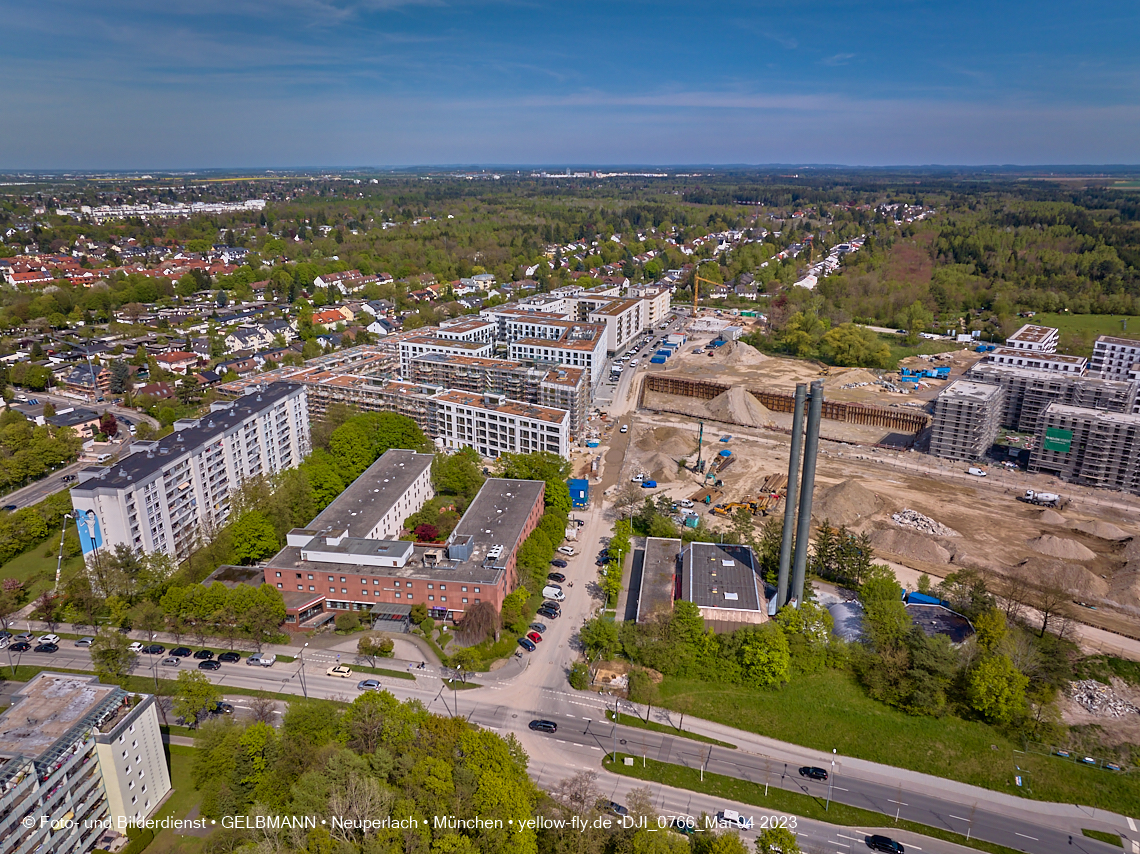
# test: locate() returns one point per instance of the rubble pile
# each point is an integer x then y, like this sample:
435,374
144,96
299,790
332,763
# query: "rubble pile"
913,519
1100,699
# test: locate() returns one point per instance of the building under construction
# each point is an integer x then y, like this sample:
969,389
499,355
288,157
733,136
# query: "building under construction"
967,416
1089,447
1028,392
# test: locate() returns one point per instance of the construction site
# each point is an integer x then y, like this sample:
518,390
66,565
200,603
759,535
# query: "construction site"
922,514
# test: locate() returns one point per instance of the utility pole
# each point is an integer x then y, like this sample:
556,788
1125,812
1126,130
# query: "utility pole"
700,443
830,777
301,672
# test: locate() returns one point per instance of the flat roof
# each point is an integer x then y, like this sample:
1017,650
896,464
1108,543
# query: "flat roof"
658,577
498,514
1043,357
1084,413
970,389
1033,334
207,429
505,407
448,343
981,368
616,307
721,576
47,708
1125,342
368,499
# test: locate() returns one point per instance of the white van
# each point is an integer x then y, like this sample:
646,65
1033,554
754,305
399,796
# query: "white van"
102,458
566,550
263,659
553,591
976,472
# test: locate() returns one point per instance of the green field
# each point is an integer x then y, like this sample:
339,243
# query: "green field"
36,567
1090,325
182,800
1110,838
766,793
638,723
830,710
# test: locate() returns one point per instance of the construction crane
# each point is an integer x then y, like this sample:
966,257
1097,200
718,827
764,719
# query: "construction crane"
697,289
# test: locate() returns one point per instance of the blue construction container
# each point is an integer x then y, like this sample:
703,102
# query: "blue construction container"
665,354
579,491
657,360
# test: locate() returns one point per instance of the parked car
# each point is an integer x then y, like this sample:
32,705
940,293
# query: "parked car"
976,472
538,627
559,562
47,647
649,484
566,550
229,657
553,591
221,708
171,661
369,685
181,652
613,807
136,648
209,664
624,428
340,670
154,649
534,637
85,641
877,842
48,639
25,636
262,659
20,646
548,613
528,645
556,576
813,773
204,654
543,726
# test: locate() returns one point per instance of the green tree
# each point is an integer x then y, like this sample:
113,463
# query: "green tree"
194,696
375,645
148,617
777,840
996,689
112,656
600,637
765,656
254,537
989,629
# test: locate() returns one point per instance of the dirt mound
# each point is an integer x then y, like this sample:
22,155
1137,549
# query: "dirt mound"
738,406
1102,530
855,375
1132,550
1052,517
740,355
1124,588
911,545
972,559
846,503
667,440
1060,547
1072,577
661,467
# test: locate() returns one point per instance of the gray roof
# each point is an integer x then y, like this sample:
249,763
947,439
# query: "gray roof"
368,499
497,515
721,576
658,577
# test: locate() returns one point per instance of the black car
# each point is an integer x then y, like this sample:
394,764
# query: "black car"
544,726
20,646
154,649
47,647
222,709
613,807
527,644
181,651
549,613
209,664
556,576
551,606
884,843
204,654
559,562
229,657
813,773
11,508
537,627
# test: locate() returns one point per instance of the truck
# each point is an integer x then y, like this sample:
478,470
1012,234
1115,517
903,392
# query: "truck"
1043,499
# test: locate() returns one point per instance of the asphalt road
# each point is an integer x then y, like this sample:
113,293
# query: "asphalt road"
531,688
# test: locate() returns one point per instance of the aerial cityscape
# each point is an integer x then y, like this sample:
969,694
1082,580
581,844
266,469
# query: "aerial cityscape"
726,443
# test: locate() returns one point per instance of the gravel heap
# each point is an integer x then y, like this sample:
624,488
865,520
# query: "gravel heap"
1100,699
913,519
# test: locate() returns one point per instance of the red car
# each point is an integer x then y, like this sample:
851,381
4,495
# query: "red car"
534,636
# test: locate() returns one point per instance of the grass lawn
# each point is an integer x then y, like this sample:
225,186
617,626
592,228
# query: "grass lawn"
635,721
925,347
1110,838
830,710
1090,325
36,567
183,799
778,800
380,671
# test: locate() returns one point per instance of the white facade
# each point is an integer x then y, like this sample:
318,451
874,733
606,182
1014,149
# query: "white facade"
420,344
1040,361
158,498
466,329
1034,339
1114,358
585,352
624,320
494,425
131,758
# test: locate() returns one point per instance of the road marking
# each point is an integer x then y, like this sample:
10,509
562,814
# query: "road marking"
1131,825
900,803
959,818
1022,835
852,838
839,788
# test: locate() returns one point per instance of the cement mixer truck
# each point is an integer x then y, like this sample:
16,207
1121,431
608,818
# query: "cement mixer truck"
1043,499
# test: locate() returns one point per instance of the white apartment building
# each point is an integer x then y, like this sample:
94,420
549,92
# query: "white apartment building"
624,320
158,498
1034,339
657,300
467,329
1039,360
420,344
582,345
493,425
76,755
1114,358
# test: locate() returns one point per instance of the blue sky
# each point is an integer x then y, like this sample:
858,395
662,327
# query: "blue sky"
296,83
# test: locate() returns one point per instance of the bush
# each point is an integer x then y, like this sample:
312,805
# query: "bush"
427,625
347,622
579,676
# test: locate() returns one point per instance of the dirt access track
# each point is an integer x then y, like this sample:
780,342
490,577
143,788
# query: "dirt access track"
1092,546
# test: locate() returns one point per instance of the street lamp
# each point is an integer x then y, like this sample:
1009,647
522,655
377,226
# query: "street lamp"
830,777
454,700
301,672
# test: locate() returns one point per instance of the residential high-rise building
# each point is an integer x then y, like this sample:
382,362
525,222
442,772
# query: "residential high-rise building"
966,420
160,497
1089,447
76,757
1114,358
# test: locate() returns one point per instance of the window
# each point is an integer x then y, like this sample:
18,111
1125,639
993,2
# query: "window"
431,587
465,600
279,584
279,575
342,579
332,590
431,598
343,590
464,589
330,578
397,584
298,575
442,598
476,590
312,588
443,587
397,595
377,581
310,576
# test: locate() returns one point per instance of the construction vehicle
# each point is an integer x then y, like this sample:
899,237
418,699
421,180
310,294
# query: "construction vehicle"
825,371
732,507
1042,499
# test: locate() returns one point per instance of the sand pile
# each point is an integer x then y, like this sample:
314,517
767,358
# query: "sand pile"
738,406
740,354
1124,588
1132,550
1052,517
661,467
1102,530
967,558
1061,548
846,503
855,375
909,544
668,440
1074,578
